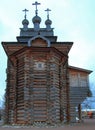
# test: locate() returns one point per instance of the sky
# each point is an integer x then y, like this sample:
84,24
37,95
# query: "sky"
72,20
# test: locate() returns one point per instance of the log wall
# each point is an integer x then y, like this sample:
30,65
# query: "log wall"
38,92
79,88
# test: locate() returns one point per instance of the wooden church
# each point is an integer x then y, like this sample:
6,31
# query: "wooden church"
41,86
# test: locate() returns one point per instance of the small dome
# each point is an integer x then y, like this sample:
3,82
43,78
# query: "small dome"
36,19
48,21
25,21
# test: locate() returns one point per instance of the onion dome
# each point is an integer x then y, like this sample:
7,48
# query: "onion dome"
36,19
25,22
48,22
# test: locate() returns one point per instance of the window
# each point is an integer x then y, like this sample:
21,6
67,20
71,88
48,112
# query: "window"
39,66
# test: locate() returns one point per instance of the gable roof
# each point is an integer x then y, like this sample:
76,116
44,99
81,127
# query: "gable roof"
80,69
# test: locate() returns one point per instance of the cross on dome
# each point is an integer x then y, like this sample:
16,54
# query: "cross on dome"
25,10
36,4
47,10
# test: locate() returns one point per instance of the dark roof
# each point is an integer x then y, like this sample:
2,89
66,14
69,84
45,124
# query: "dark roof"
14,43
67,43
80,69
